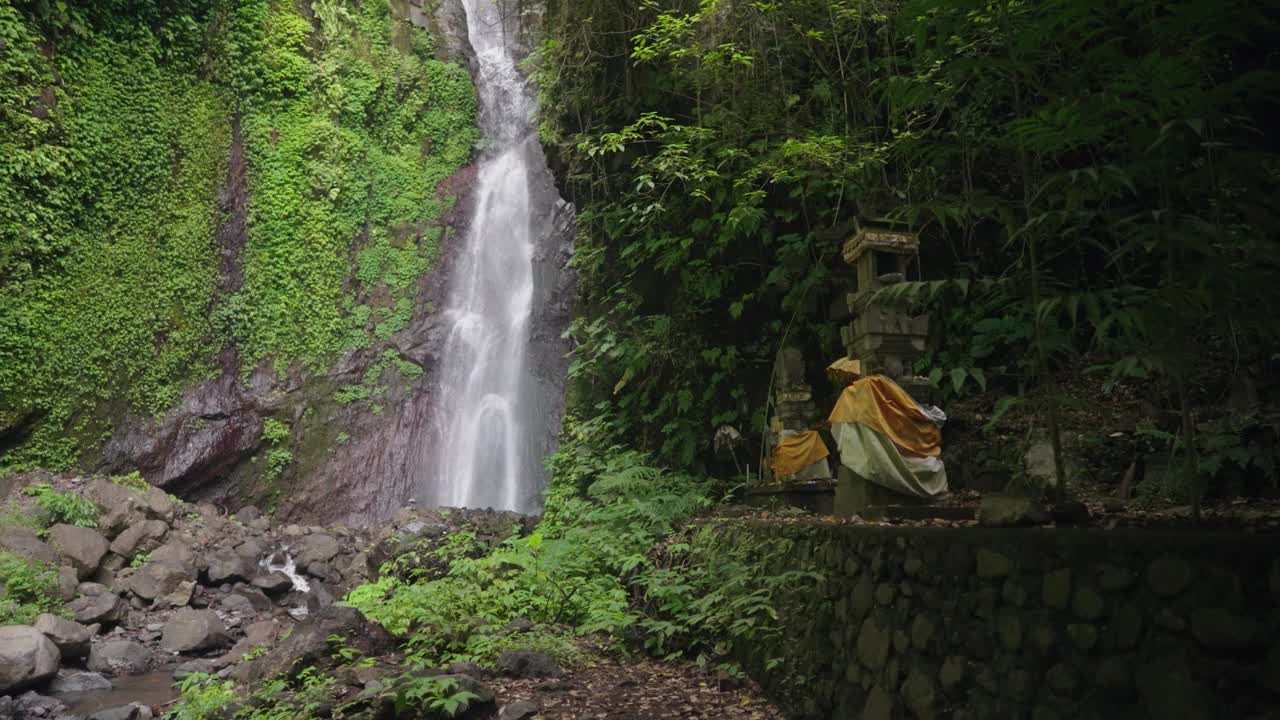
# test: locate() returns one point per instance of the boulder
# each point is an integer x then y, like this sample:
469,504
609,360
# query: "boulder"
316,548
1010,511
78,681
120,507
226,566
527,664
193,667
132,711
176,551
141,537
24,542
120,657
105,608
160,504
248,514
274,583
158,578
189,630
26,657
181,595
72,638
67,582
237,603
309,643
518,710
81,548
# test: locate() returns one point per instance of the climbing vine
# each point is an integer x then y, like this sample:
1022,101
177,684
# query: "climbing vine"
115,131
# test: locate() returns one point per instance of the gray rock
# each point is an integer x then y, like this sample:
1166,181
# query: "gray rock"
226,566
31,704
1056,589
188,630
141,537
105,608
273,584
256,597
873,644
918,694
132,711
1221,629
1083,635
1168,575
248,514
78,681
1087,604
157,578
1010,511
992,564
952,672
308,644
120,657
120,507
181,595
161,505
527,664
518,710
236,603
176,551
1170,692
26,657
879,705
81,548
24,542
67,583
193,667
72,638
316,548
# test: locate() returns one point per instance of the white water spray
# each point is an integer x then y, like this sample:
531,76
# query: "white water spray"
483,457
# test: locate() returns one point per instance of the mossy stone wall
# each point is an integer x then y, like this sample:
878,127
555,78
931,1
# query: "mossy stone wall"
1042,624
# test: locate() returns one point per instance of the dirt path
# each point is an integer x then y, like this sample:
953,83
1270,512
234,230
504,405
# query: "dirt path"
637,690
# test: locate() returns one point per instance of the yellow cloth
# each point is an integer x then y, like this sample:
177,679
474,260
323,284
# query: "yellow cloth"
878,402
795,453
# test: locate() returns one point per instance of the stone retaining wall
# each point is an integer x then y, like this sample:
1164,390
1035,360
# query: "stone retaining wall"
1041,624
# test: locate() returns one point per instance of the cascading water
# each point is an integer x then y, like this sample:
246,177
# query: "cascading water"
486,453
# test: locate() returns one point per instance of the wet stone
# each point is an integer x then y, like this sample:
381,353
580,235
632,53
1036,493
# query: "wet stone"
1087,604
1009,628
921,632
1083,635
1126,627
1168,575
1062,679
952,672
884,594
1056,590
992,564
1221,629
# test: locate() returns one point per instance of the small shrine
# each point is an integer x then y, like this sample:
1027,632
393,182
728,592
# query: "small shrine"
882,338
886,442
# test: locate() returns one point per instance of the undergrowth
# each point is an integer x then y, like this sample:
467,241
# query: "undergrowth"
608,559
27,588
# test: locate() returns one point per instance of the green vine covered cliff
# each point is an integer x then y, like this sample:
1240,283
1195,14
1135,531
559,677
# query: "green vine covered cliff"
201,187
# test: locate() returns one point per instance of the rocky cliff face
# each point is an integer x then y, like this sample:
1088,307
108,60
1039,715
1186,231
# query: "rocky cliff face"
354,462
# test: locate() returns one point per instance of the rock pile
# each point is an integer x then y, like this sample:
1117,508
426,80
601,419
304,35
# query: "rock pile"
165,586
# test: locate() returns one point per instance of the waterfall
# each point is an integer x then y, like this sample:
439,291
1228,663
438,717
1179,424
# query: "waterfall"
491,412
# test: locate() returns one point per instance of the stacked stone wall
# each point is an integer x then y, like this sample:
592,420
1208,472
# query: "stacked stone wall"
976,624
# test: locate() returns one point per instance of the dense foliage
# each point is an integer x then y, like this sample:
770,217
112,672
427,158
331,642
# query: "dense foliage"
124,269
603,561
1096,179
27,589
